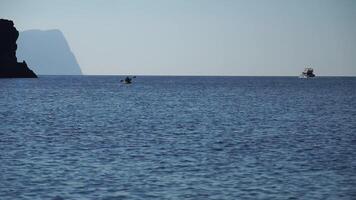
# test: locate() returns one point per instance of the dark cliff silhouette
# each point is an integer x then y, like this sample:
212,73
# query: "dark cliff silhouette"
52,55
9,67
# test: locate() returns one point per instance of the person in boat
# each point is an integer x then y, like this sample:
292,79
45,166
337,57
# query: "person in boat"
127,79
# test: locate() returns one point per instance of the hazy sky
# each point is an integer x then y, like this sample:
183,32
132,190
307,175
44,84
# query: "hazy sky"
199,37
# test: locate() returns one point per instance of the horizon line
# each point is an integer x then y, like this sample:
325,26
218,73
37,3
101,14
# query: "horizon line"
165,75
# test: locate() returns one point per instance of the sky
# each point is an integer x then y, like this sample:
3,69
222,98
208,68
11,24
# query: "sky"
199,37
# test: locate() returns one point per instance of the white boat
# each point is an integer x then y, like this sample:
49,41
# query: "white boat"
307,73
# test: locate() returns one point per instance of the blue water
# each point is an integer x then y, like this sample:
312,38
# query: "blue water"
89,137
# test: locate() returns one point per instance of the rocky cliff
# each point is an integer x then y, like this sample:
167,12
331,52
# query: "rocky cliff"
9,67
52,55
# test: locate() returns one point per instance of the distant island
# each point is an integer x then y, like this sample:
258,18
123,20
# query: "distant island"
9,67
52,55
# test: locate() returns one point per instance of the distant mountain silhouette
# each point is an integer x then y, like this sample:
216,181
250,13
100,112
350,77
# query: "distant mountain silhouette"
51,55
9,67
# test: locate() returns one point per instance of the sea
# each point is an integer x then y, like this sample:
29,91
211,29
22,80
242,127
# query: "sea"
177,137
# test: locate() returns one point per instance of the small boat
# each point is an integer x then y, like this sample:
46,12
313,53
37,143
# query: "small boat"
307,73
127,80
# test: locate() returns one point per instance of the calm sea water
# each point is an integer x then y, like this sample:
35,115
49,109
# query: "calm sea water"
90,137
